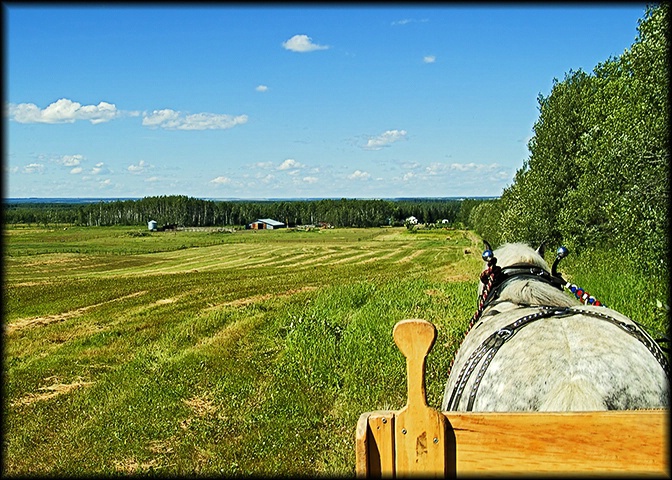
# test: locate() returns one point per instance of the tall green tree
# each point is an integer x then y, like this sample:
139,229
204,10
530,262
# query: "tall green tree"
597,175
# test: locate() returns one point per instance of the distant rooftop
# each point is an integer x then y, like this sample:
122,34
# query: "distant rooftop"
271,222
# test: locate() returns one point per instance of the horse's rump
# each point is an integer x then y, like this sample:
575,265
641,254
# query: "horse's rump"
557,363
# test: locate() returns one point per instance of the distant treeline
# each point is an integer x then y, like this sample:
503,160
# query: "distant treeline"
193,212
597,177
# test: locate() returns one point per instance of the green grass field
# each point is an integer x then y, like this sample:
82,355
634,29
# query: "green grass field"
246,353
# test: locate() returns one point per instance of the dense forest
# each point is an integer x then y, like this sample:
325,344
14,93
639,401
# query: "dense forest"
193,212
597,175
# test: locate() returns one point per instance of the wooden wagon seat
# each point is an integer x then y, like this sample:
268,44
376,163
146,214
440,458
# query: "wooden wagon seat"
418,440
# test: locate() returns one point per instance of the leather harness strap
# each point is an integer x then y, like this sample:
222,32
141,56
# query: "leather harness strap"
492,344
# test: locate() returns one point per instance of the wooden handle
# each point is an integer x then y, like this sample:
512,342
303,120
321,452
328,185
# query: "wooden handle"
415,338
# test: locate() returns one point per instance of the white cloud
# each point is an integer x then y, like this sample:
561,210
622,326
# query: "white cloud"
465,167
152,179
62,111
33,168
359,175
429,59
264,164
289,163
221,180
159,117
262,88
99,169
406,21
310,179
173,120
302,43
385,139
70,160
139,168
76,170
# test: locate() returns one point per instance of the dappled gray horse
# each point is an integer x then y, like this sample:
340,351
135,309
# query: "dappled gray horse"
533,347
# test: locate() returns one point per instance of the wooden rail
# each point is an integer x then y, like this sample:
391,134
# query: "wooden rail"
420,441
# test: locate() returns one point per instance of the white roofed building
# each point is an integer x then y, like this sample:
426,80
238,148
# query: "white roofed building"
266,224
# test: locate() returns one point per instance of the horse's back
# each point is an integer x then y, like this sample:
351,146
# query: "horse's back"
560,363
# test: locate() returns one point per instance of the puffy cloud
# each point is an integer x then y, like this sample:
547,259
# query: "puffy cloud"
385,139
33,168
221,180
139,168
62,111
173,120
289,163
310,179
101,169
159,117
302,43
76,170
261,88
429,59
70,160
359,175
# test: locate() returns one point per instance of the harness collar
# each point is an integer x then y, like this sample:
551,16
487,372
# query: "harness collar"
518,271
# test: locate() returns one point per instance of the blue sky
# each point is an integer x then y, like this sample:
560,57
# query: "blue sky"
291,101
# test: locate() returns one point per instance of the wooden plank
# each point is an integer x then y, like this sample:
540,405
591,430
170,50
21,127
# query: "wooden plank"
419,431
362,443
632,442
382,429
375,445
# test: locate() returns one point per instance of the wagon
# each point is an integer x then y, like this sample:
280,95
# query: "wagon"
421,441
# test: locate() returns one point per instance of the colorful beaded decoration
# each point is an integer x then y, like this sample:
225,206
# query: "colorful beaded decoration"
583,296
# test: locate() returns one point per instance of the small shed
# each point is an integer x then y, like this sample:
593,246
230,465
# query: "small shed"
266,224
151,225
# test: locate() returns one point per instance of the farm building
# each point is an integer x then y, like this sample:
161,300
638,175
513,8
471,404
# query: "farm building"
265,224
151,225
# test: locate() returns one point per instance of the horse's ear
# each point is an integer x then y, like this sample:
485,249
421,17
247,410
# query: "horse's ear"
541,250
487,245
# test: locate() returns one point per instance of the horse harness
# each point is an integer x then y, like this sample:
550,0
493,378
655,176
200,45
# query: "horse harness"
491,345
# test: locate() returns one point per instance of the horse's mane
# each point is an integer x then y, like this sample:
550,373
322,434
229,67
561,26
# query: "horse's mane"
526,291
